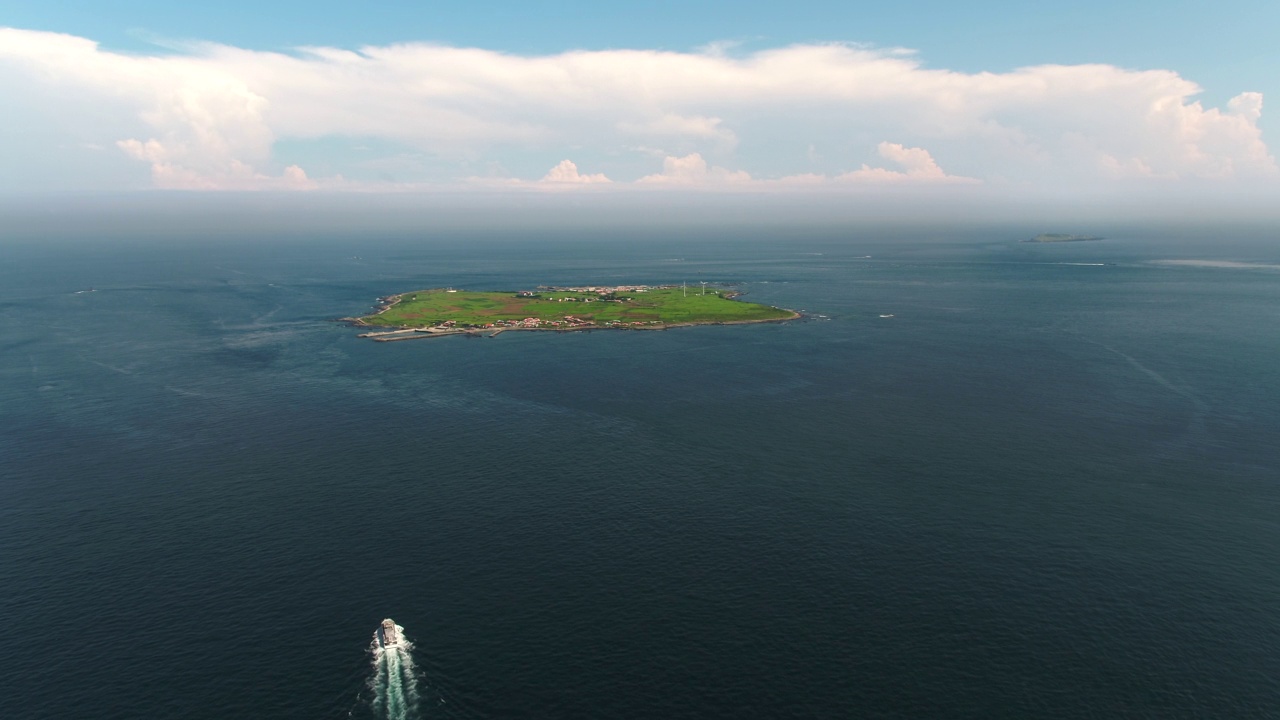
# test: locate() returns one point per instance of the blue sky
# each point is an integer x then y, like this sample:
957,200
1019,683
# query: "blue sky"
1225,48
1221,45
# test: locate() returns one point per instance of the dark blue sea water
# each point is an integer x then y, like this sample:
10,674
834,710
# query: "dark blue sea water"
1040,489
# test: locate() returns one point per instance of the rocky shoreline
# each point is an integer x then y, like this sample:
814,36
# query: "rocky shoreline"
422,333
393,333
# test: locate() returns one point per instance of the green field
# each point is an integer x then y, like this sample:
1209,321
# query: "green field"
655,307
1061,237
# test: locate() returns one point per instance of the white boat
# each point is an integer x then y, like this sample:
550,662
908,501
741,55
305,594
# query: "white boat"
387,634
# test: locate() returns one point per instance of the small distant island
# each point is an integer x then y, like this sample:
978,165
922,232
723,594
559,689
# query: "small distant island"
447,311
1061,237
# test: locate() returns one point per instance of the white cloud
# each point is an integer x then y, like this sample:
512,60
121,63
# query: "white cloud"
916,163
672,125
567,172
212,115
802,180
171,169
692,170
563,176
1247,105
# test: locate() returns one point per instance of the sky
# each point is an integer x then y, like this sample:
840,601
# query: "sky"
831,100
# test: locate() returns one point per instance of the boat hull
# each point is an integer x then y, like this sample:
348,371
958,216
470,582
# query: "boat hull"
388,634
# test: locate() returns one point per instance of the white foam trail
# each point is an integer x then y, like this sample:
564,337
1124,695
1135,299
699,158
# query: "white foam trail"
395,680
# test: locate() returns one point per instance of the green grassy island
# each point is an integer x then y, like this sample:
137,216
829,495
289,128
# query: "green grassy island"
1061,237
433,313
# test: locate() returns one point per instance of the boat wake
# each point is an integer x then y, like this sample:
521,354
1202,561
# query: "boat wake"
394,682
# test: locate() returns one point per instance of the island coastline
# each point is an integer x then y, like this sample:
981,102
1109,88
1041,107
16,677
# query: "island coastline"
547,321
1043,238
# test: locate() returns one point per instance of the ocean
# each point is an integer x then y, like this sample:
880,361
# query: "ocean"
1046,486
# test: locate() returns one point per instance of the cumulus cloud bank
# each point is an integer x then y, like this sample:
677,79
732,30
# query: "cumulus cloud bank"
212,116
916,163
693,170
567,172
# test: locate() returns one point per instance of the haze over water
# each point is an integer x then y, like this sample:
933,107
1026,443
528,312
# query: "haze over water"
1046,487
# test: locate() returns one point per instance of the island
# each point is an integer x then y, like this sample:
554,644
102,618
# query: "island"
1061,237
447,311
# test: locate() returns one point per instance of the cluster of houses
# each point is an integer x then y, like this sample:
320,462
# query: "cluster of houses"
569,321
603,294
602,298
529,323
